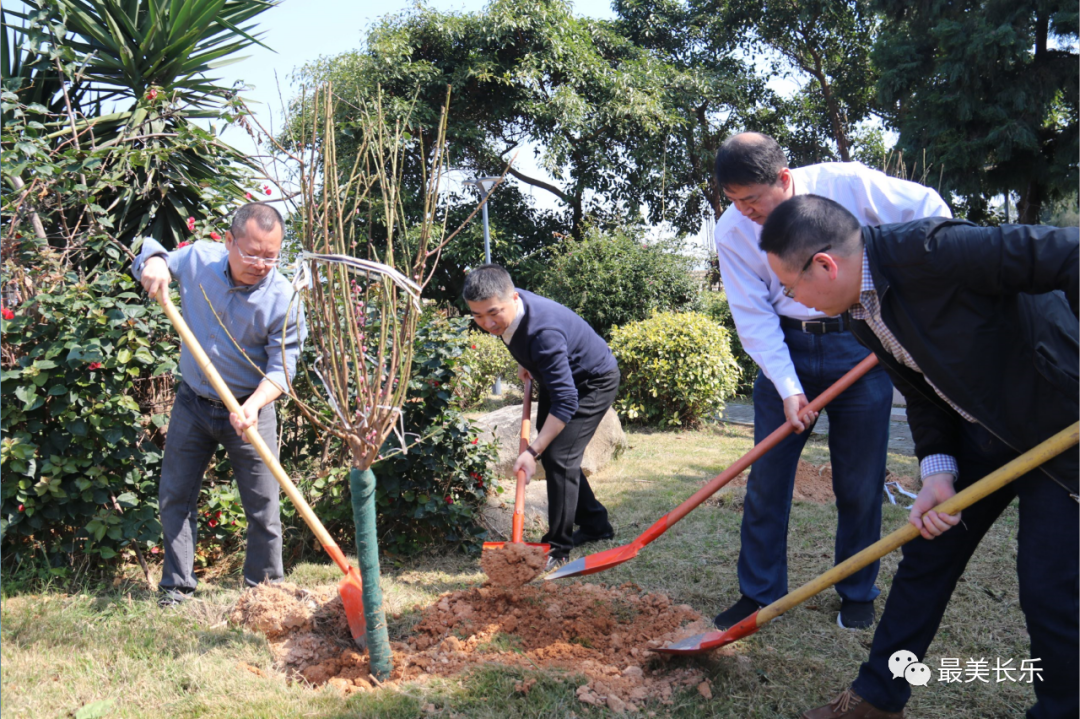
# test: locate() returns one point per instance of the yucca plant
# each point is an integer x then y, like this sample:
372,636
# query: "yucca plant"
148,62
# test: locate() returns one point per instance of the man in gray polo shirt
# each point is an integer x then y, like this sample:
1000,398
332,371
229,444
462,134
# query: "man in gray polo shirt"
256,316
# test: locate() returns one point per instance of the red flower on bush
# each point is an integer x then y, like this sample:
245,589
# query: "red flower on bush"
182,245
151,94
7,314
95,365
474,346
247,196
212,523
449,499
153,550
476,441
191,224
21,507
266,189
215,236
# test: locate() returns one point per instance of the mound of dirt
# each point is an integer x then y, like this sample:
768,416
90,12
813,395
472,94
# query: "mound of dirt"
513,565
607,634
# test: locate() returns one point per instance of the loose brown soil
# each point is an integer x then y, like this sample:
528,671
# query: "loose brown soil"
607,634
513,564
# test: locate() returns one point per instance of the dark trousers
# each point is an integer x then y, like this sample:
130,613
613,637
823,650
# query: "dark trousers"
1046,563
570,498
196,428
858,441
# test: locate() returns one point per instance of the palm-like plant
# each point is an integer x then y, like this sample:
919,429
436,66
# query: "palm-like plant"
149,61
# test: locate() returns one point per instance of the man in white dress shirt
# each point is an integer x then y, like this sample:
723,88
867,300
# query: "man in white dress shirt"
801,353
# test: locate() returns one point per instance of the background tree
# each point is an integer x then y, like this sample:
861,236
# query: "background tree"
989,90
148,62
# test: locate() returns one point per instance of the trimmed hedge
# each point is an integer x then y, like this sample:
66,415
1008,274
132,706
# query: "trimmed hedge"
677,369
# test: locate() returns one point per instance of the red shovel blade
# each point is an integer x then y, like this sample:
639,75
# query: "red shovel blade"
596,562
701,643
351,590
500,545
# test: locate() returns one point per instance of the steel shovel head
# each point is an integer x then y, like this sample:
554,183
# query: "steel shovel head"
594,563
351,590
701,643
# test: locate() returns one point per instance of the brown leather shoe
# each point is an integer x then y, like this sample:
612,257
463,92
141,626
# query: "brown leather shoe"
850,705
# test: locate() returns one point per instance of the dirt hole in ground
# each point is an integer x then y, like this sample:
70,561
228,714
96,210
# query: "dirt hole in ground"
813,483
605,633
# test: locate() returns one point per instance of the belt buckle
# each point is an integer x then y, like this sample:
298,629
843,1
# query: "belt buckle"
806,326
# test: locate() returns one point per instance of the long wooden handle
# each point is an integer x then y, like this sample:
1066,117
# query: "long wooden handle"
518,521
989,484
251,433
665,523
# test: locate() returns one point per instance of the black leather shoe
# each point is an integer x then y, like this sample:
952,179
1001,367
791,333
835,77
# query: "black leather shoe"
855,615
580,537
739,611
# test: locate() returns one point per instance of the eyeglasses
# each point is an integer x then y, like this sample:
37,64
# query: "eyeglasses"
789,292
255,260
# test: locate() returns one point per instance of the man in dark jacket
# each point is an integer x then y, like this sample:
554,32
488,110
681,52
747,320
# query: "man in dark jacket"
977,327
577,379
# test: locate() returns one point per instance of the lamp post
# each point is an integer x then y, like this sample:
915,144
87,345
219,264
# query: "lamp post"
485,185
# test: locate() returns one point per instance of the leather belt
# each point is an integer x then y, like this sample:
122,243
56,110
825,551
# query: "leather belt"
817,327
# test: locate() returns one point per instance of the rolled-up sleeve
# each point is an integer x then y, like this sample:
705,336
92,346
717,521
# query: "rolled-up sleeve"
549,352
284,342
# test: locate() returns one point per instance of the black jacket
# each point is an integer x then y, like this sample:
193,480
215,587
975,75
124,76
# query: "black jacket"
989,315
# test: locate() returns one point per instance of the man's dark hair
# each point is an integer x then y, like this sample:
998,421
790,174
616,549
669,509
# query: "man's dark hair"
804,224
488,281
265,217
749,158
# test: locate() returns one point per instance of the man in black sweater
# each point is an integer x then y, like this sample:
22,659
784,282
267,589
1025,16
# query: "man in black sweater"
577,378
977,326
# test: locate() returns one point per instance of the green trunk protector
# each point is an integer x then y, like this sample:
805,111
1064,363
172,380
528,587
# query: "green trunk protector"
362,484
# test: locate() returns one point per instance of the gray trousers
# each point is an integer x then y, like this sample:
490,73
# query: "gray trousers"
196,428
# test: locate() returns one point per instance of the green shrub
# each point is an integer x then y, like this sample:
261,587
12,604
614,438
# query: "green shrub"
484,358
715,305
615,278
76,362
677,368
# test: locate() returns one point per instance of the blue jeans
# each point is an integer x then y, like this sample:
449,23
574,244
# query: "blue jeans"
1046,563
196,428
858,441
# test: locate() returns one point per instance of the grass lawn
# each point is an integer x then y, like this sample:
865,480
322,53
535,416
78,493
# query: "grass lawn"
114,653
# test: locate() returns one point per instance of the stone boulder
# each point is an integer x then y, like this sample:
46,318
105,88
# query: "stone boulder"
503,427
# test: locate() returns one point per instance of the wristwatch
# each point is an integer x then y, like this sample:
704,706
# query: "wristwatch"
533,452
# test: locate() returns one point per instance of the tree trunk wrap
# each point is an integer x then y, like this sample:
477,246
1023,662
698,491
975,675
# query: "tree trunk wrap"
362,484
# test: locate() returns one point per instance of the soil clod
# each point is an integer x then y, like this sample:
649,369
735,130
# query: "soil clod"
513,564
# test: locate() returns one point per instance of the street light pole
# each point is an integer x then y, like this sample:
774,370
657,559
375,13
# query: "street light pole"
486,185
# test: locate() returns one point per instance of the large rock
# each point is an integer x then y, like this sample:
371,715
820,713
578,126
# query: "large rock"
503,427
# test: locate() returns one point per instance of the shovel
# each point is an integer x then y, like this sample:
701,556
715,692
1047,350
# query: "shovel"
518,522
992,482
614,557
351,587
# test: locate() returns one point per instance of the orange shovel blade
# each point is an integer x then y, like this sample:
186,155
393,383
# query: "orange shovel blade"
701,643
351,590
596,562
500,545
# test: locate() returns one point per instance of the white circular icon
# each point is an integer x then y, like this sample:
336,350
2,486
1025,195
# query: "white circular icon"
899,661
917,674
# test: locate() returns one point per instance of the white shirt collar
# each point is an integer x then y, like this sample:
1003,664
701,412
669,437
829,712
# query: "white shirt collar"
509,334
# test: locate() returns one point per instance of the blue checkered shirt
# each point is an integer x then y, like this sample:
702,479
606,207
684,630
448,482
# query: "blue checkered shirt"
255,316
869,309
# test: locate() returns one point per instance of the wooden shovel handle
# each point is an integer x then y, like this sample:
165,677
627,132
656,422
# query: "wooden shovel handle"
251,433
